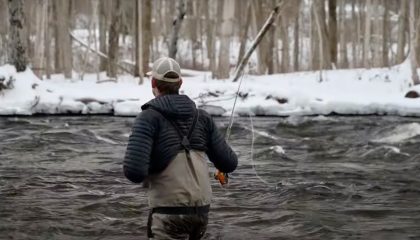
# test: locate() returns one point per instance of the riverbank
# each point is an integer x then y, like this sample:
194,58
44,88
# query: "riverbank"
343,92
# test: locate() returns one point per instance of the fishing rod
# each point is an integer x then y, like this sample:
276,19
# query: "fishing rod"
239,73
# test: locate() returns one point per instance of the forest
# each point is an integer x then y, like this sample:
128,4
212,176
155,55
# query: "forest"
125,36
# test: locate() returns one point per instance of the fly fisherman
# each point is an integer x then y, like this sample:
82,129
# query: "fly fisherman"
167,150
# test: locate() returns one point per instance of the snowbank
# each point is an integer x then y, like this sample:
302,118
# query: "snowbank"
357,91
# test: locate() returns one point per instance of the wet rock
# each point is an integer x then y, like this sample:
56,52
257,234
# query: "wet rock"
412,94
6,83
278,99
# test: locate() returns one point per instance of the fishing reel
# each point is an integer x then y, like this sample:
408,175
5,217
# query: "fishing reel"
222,177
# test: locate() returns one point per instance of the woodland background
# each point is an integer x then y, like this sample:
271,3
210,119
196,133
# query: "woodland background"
124,36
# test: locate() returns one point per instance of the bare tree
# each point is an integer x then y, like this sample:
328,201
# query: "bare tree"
147,32
191,12
104,9
385,34
296,43
173,44
285,45
18,55
414,23
113,40
225,33
244,28
402,29
332,25
138,69
63,48
321,29
367,35
41,14
47,37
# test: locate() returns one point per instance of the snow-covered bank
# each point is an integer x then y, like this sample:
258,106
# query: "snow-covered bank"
357,91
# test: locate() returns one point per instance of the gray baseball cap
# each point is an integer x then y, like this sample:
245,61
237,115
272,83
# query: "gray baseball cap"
162,67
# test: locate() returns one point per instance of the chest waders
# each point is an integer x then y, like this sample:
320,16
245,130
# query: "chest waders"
186,145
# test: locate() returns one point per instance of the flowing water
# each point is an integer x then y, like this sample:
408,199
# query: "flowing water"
304,178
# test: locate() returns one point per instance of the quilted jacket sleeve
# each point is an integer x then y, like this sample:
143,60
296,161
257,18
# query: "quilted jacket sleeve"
138,154
219,152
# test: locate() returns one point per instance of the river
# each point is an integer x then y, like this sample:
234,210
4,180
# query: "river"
298,178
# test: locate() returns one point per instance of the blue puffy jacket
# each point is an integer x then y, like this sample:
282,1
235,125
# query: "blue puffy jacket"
154,142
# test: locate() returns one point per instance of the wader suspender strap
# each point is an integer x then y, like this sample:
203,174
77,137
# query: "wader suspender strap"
185,139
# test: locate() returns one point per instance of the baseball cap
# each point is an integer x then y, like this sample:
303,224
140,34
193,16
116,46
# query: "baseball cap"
162,67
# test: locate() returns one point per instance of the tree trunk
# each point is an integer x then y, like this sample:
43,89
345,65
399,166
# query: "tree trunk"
360,45
271,52
210,32
402,28
418,35
285,46
41,14
18,48
262,51
225,33
296,44
103,25
324,56
414,23
47,46
377,31
138,69
354,36
173,44
366,51
332,24
191,12
315,50
113,40
343,36
63,48
244,36
147,36
385,34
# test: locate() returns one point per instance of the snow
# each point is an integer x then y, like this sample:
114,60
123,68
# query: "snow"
356,91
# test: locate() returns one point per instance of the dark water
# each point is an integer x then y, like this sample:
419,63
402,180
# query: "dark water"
340,178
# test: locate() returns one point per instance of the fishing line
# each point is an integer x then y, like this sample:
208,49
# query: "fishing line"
228,132
252,157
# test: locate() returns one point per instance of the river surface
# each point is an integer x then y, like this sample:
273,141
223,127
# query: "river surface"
298,178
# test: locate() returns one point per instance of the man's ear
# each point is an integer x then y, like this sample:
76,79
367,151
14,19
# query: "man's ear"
180,82
153,83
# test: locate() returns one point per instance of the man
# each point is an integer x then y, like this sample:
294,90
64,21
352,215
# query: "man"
167,149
